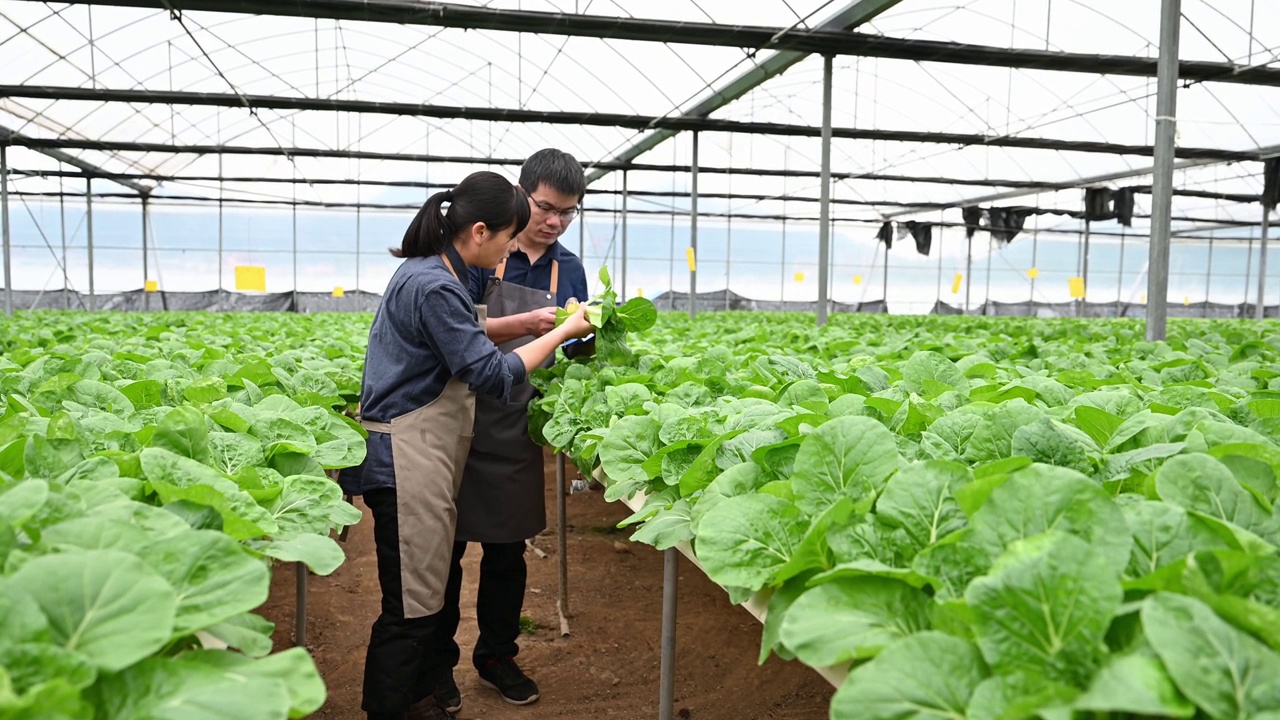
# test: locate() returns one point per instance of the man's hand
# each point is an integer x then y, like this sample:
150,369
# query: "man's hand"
540,322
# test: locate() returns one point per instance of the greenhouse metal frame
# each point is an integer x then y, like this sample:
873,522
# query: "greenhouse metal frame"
830,39
786,46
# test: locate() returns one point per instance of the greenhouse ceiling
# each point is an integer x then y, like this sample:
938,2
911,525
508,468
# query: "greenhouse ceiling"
1030,95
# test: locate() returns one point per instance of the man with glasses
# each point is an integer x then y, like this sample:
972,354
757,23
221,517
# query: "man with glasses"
501,503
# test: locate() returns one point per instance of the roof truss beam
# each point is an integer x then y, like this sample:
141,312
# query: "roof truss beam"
182,179
681,123
145,147
8,136
814,41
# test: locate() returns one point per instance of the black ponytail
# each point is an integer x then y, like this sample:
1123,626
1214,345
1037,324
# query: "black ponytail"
483,197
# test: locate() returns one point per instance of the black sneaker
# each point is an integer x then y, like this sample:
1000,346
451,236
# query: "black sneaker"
447,694
503,675
427,708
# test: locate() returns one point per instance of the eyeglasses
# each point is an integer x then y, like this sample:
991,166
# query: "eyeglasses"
549,209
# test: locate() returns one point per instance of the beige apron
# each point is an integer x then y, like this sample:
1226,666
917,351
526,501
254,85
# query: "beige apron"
503,496
429,448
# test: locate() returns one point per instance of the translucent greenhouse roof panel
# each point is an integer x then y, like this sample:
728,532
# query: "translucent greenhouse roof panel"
221,53
1246,31
131,48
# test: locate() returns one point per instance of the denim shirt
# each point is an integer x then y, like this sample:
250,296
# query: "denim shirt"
424,334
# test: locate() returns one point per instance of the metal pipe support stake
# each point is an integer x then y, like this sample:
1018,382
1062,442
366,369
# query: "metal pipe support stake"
562,536
667,681
300,618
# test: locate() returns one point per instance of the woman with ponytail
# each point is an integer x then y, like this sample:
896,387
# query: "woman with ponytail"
428,356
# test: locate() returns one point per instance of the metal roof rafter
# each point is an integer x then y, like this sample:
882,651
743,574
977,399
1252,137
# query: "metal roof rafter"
178,97
9,136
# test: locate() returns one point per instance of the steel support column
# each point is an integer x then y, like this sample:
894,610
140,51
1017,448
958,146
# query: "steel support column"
221,192
146,271
667,679
968,274
88,224
624,235
5,231
693,230
1162,180
1084,270
1208,277
1260,311
62,224
295,255
824,208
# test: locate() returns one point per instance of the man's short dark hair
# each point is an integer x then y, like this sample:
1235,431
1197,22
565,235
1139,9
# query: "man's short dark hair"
556,169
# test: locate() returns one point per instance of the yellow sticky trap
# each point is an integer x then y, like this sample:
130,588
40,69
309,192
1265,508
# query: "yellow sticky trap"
639,292
1076,285
693,261
799,277
857,279
339,292
1186,300
1144,298
251,277
1033,273
152,286
955,284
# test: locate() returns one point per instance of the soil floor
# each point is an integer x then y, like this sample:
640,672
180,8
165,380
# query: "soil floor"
606,668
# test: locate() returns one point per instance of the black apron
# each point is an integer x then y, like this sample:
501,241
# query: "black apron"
502,499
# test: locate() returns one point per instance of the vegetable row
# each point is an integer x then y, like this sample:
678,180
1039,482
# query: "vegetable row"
152,469
986,518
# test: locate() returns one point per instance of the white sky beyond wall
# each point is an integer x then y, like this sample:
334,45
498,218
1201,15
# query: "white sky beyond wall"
48,44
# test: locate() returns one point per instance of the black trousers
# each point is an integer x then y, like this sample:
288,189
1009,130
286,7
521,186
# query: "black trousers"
503,575
401,659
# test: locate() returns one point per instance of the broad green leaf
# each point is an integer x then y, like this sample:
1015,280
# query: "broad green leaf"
919,500
144,394
627,446
1201,484
1161,536
929,374
848,457
104,604
20,616
779,603
320,553
744,541
890,688
1053,443
852,618
1135,683
1042,498
668,528
179,478
248,633
183,431
1018,696
992,439
214,577
94,533
22,501
1045,608
1219,668
186,689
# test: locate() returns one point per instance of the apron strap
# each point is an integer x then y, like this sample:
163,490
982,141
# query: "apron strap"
555,277
501,271
376,426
